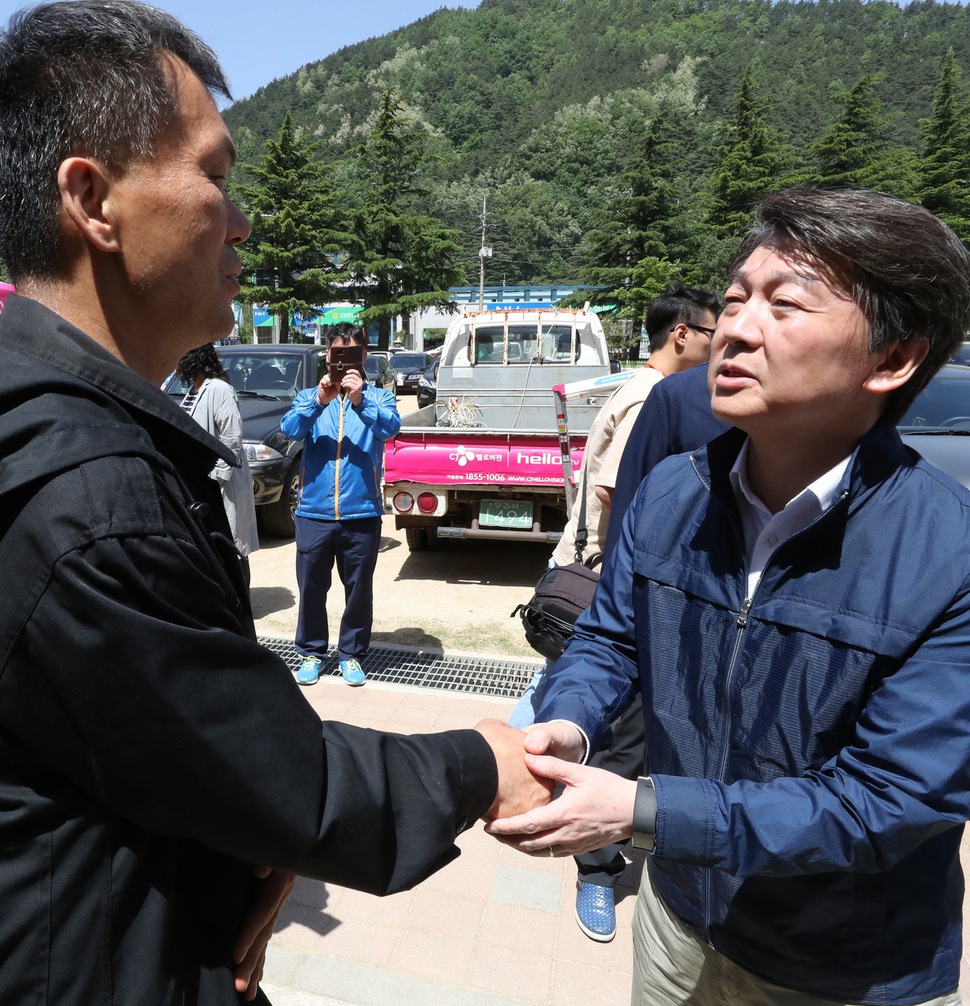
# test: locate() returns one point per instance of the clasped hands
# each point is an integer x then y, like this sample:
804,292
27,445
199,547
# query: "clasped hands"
593,809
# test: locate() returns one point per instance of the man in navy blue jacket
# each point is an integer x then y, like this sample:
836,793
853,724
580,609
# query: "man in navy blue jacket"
793,603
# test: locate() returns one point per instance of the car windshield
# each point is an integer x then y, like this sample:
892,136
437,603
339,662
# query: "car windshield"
277,374
943,406
409,361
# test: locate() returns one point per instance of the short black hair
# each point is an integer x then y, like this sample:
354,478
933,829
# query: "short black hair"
905,269
81,77
201,360
679,305
344,331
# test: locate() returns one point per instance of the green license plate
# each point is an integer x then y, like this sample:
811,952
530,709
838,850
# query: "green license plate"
505,513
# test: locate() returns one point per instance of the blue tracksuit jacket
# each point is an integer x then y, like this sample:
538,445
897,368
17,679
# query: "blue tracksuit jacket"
340,475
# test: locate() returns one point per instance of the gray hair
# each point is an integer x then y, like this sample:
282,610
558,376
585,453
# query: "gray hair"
905,269
81,77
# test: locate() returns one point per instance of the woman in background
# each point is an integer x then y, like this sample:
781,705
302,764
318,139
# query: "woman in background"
211,402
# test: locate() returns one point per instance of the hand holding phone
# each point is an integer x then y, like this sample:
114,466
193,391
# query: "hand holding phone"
340,359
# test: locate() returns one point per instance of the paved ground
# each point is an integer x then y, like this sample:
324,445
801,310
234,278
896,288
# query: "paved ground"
494,928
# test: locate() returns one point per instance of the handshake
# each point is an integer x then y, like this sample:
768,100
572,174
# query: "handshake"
594,808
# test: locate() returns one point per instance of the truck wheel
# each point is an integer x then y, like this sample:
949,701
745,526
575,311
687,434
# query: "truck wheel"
417,538
277,518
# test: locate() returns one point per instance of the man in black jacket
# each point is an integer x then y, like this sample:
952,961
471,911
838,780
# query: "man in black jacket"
150,749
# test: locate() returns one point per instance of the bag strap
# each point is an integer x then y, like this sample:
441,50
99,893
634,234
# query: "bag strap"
582,534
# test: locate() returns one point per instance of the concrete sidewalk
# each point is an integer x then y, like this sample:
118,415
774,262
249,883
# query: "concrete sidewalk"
493,928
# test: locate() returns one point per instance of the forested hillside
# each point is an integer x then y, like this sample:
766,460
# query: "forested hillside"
556,110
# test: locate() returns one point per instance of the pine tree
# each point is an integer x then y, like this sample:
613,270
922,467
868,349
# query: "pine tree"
401,258
855,151
298,233
752,162
945,163
638,243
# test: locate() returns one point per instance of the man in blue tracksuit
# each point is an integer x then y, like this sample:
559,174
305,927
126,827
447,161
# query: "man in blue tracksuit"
338,512
792,601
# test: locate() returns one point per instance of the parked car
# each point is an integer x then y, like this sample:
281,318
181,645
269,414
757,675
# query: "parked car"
962,355
267,379
409,367
937,424
379,372
427,389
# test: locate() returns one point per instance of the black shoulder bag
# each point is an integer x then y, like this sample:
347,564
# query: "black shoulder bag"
561,595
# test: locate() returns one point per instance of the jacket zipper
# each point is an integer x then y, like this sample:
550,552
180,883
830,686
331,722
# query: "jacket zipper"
729,677
336,466
742,623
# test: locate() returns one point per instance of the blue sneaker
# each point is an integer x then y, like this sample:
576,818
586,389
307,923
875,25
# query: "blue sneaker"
352,672
309,671
595,911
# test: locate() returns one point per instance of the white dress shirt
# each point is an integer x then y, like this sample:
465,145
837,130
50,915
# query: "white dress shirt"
765,531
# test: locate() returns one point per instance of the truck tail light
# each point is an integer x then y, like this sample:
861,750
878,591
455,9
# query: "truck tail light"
427,503
403,502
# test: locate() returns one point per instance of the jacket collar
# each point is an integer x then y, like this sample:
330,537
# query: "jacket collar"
877,455
27,327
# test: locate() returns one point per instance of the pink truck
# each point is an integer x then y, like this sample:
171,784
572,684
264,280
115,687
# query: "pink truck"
484,460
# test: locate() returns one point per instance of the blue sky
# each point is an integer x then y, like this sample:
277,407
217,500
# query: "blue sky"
258,42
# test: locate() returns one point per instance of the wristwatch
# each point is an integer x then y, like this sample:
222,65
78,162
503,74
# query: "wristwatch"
645,815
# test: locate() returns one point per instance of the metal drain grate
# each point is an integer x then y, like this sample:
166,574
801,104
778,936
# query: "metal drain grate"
479,675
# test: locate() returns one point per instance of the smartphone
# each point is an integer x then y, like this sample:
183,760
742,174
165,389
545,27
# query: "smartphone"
344,358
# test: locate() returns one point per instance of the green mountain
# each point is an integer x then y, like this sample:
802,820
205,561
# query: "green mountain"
541,105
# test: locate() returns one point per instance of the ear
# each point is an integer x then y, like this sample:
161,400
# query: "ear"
85,188
895,365
678,337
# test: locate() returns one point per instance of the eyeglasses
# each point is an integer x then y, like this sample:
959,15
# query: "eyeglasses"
709,332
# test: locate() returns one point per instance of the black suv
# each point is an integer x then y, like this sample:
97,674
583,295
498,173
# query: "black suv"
267,379
409,367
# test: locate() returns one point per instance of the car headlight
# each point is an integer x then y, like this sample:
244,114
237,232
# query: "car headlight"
260,452
278,441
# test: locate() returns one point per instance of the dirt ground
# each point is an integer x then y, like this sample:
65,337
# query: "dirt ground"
457,598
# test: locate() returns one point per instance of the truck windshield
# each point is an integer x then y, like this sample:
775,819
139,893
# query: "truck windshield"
526,344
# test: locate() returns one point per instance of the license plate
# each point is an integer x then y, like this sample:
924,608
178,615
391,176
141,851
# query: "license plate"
505,513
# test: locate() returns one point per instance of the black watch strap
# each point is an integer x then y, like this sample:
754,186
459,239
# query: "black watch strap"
645,815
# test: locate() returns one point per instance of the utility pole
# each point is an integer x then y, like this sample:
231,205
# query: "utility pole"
483,253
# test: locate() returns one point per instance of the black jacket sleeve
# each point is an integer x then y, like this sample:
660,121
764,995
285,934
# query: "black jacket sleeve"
131,673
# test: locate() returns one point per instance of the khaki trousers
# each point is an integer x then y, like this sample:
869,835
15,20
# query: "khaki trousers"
672,967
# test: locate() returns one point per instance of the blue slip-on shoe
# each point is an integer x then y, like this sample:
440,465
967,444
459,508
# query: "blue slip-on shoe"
309,671
352,672
595,911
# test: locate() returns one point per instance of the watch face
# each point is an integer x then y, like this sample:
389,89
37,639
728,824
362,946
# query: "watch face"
644,840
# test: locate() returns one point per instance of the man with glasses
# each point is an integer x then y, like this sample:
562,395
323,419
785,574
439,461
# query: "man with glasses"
680,324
